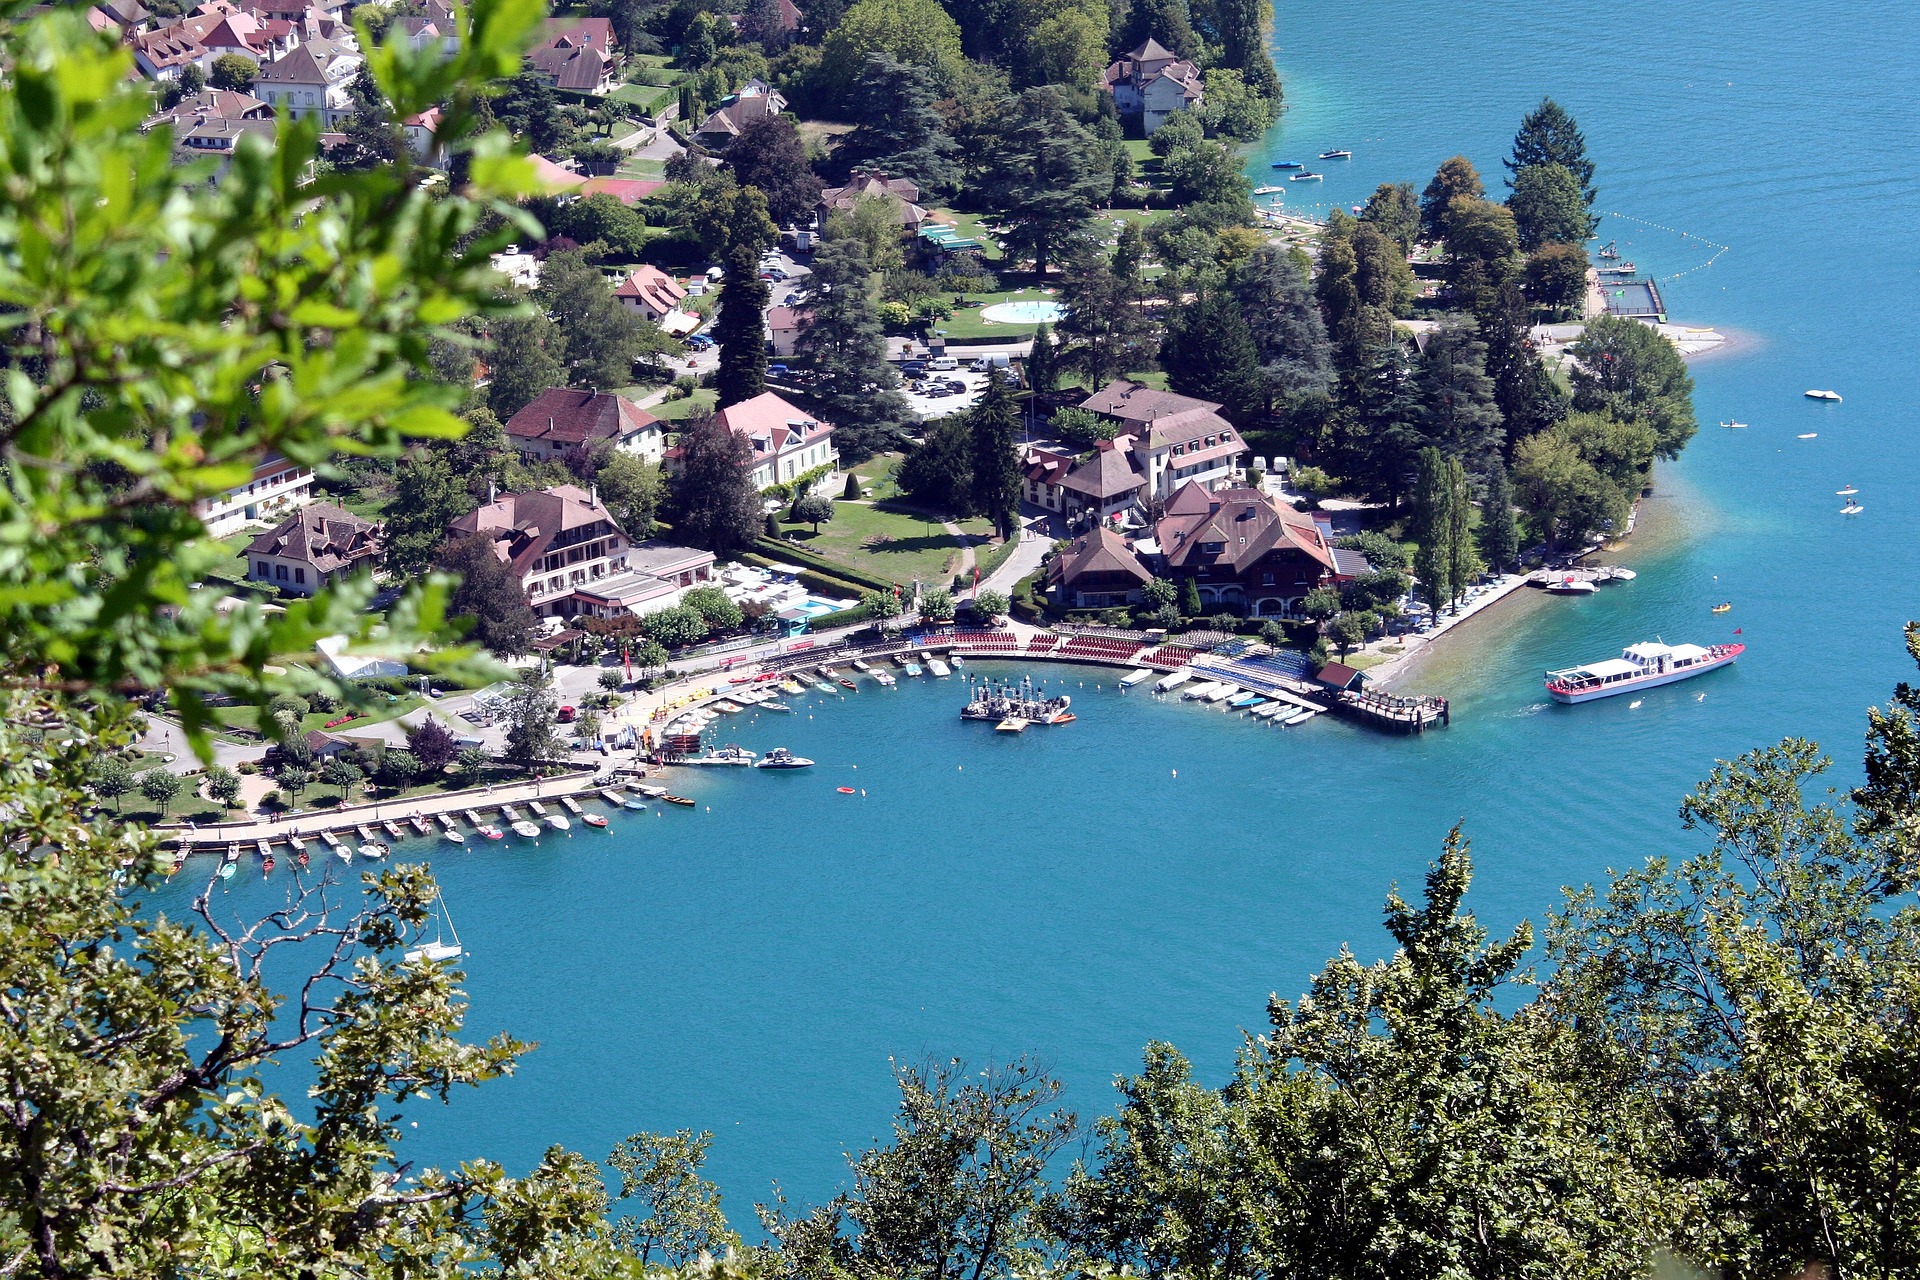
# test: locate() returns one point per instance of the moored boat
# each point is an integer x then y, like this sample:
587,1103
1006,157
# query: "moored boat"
1834,396
594,819
1639,666
1571,586
1336,154
729,754
679,800
781,758
1305,175
775,706
1288,164
526,830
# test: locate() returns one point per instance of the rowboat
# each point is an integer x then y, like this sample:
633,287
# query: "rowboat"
679,800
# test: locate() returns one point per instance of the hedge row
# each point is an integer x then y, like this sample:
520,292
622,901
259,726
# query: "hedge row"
844,618
827,568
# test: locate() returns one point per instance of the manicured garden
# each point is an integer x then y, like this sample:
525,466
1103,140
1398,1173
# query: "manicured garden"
886,541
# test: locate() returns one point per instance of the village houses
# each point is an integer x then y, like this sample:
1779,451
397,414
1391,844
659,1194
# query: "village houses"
561,420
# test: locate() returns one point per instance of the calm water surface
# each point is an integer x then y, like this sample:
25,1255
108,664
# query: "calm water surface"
751,969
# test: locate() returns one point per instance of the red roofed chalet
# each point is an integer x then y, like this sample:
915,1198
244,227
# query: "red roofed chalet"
786,441
562,419
651,292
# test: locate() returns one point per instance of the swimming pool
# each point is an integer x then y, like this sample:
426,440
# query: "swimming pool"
1024,312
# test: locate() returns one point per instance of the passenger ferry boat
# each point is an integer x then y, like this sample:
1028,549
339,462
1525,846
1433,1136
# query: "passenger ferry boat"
1640,666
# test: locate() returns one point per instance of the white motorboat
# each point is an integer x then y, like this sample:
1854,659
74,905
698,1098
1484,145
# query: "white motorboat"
1571,586
1639,666
781,758
940,669
1173,680
1133,678
727,755
526,830
1833,396
557,822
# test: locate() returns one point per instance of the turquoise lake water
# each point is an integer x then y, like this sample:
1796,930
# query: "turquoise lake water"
751,969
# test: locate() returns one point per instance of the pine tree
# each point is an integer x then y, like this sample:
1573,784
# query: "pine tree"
1431,526
994,424
1525,393
1049,175
714,500
1458,412
899,133
525,356
855,387
1499,531
1289,336
427,498
1548,135
1209,353
744,296
1043,362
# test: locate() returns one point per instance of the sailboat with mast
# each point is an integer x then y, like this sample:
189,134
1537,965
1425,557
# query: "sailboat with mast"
439,949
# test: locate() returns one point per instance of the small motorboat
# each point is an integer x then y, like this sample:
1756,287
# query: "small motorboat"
1834,396
775,706
227,869
1336,154
419,825
845,791
373,849
1608,251
781,758
823,686
790,685
1723,608
453,837
266,864
594,819
490,832
1267,190
957,660
682,801
847,684
558,822
1288,164
1731,425
1305,175
1571,586
913,668
300,856
526,830
1847,492
885,678
1808,435
634,803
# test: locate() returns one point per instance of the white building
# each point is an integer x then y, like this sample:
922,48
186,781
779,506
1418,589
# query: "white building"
277,487
311,81
786,442
1152,83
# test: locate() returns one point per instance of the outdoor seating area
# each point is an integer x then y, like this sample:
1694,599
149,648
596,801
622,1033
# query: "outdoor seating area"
1171,655
1101,648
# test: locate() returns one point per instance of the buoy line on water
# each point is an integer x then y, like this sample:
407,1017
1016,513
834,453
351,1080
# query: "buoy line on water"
1715,245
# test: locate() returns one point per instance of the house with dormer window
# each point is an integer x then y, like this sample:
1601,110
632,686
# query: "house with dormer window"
786,440
1152,83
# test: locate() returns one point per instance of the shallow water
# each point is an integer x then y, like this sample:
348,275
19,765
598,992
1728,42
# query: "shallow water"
750,969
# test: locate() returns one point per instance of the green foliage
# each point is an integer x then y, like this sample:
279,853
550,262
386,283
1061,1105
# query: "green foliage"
604,338
990,603
1320,604
850,492
1555,278
342,774
881,604
1159,593
110,778
526,356
814,509
768,156
713,606
1081,429
938,472
1047,178
1395,210
854,385
1349,630
1381,551
428,497
603,218
714,500
632,489
661,1172
1232,108
490,593
222,786
1043,362
1499,529
937,605
1483,251
993,426
1627,369
675,628
1190,605
916,32
1548,136
1455,179
1209,353
740,329
233,72
532,712
161,786
1548,207
898,131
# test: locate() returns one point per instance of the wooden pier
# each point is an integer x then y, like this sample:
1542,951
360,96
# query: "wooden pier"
1392,713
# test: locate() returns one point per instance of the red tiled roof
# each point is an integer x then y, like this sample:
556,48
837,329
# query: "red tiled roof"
1100,550
653,287
327,537
523,525
562,415
1245,523
772,425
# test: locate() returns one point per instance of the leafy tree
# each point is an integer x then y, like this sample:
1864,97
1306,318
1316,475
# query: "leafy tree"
601,217
938,472
110,778
1208,172
1208,352
675,628
532,712
873,222
853,383
1567,499
1456,396
1381,551
1081,429
1499,529
223,786
1482,251
1046,180
1240,28
740,329
611,680
1629,370
1556,278
1463,561
604,338
342,774
294,779
1190,605
989,603
398,769
662,1173
769,157
427,498
632,489
1178,132
881,604
1378,592
917,32
470,764
1320,604
433,745
994,425
1528,397
1455,179
897,130
713,495
1067,45
1232,108
1289,336
526,355
528,106
1548,207
714,607
1395,210
937,605
187,84
1348,631
490,593
1548,136
1158,593
1168,21
814,509
233,72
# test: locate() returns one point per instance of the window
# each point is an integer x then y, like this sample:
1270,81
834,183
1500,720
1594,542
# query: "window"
299,574
280,572
261,569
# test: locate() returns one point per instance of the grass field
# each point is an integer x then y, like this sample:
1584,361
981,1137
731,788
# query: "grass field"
886,541
967,323
876,477
248,717
700,402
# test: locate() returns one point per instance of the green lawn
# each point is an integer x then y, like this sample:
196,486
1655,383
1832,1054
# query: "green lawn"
973,226
693,406
642,168
248,717
888,542
966,321
876,477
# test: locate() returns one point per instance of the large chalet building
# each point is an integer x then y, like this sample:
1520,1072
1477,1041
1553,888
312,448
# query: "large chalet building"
1162,442
572,559
1152,83
562,419
1243,550
785,440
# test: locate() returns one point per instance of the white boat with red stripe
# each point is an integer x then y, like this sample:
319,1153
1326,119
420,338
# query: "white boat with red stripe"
1639,666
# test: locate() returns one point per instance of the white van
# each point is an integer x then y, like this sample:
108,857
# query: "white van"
943,364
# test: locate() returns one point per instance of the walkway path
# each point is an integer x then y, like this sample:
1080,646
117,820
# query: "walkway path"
314,822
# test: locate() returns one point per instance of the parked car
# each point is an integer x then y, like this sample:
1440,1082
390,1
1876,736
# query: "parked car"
566,715
913,366
699,342
778,368
776,274
943,364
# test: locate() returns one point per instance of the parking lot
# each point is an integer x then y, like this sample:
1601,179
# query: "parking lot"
939,401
